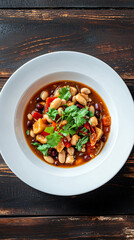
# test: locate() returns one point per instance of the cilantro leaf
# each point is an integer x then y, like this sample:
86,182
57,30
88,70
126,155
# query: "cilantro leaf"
27,132
65,93
84,129
52,113
71,109
83,112
49,129
79,121
90,114
35,144
80,143
44,149
53,139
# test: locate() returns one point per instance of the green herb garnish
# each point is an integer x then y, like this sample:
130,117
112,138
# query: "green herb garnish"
27,132
49,129
65,93
80,143
53,139
52,113
44,149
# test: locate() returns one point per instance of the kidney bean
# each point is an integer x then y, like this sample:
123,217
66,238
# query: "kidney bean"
104,138
29,124
56,163
37,110
79,105
39,106
87,157
98,107
107,129
53,152
38,99
97,113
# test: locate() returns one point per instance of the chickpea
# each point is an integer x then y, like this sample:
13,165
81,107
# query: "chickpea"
61,156
29,116
69,103
60,111
32,133
48,159
41,139
70,159
73,91
92,109
46,118
85,91
94,121
55,103
70,150
74,99
44,95
64,122
74,139
81,99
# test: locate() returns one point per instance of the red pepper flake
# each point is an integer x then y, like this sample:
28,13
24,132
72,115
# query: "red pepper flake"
45,133
87,126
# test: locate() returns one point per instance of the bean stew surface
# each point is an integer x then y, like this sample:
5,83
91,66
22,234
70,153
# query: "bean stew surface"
66,123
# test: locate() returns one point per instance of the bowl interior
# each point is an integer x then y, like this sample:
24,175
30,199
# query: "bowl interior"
18,123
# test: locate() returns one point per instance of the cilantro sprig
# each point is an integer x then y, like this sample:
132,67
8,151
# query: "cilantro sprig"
65,93
80,143
52,113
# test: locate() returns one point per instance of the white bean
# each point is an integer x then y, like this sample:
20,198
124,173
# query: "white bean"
46,117
61,156
55,103
85,91
56,94
83,149
29,116
94,121
44,95
74,139
41,139
48,159
81,99
64,122
74,99
73,91
63,102
70,150
85,96
69,103
70,159
60,111
32,133
92,109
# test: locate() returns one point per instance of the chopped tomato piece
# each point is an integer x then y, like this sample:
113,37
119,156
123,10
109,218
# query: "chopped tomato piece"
93,139
48,101
106,120
87,126
45,133
37,115
54,125
67,144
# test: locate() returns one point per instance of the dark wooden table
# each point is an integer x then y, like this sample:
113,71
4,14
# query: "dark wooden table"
104,29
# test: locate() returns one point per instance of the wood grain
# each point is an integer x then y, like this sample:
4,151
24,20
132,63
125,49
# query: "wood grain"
65,4
115,197
106,34
67,228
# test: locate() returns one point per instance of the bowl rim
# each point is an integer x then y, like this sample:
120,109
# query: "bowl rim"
52,57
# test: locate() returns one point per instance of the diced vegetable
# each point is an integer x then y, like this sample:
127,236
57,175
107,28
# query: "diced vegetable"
99,133
106,120
38,126
48,101
37,115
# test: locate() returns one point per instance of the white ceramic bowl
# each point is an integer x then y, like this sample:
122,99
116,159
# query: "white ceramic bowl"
65,66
